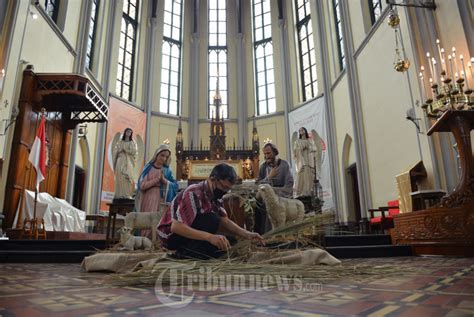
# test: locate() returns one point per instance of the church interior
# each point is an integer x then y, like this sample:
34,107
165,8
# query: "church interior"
369,102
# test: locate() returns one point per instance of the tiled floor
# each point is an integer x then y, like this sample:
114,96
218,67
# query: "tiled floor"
430,286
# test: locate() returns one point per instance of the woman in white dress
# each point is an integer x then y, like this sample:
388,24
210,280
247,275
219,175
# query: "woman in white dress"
304,151
124,159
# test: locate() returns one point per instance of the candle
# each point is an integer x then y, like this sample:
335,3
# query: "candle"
435,71
443,60
463,72
427,90
429,63
431,82
423,88
450,65
454,60
469,64
439,50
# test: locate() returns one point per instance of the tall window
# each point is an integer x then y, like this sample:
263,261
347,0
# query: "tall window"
171,57
128,38
375,10
307,56
92,34
340,46
263,52
52,9
217,56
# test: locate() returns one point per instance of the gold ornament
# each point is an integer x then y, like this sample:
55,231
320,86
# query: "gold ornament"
394,20
402,65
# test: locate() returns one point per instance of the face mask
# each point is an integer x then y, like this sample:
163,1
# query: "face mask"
218,193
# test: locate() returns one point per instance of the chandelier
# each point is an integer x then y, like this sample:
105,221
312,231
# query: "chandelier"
445,85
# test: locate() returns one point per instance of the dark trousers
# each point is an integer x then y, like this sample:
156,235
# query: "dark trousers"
197,249
262,222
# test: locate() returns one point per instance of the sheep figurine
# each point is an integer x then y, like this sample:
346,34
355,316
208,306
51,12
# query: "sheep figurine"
131,242
143,220
280,210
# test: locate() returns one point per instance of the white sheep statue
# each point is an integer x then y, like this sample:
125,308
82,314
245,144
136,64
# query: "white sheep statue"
143,220
280,210
131,242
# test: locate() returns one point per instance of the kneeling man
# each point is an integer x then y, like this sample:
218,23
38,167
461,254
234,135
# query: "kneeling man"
191,224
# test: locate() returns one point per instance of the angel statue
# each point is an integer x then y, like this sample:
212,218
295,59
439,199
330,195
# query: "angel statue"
307,153
124,158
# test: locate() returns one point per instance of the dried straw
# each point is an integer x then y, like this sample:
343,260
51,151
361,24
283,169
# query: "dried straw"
210,270
234,265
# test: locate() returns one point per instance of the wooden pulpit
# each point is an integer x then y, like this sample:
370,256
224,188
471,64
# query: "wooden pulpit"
68,100
407,182
448,227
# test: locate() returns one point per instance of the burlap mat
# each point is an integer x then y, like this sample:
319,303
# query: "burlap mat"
117,262
300,257
120,262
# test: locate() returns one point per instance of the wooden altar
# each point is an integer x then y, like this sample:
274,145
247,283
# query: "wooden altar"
448,227
248,157
68,99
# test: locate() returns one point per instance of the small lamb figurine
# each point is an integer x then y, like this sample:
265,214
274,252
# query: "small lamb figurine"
131,242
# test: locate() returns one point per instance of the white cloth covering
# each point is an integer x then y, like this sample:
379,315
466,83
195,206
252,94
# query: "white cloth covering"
58,214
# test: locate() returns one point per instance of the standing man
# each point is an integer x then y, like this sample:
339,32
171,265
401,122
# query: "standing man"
277,173
190,226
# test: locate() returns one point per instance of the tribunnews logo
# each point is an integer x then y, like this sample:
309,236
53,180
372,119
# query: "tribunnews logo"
176,286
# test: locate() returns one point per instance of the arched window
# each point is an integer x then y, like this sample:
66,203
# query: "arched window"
92,34
171,58
263,57
52,9
307,56
375,10
127,49
217,56
341,58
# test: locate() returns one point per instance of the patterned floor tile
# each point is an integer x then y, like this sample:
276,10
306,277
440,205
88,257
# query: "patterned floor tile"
429,286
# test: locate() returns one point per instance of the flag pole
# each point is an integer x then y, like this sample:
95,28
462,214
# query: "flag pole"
35,222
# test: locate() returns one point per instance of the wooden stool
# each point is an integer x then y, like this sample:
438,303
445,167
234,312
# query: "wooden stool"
33,228
121,207
100,223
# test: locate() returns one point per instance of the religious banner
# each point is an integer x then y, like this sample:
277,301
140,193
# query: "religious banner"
121,116
312,116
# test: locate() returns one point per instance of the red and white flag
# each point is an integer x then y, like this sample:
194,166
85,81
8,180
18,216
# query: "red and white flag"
38,153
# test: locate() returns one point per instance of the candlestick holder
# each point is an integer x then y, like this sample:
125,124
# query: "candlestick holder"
448,95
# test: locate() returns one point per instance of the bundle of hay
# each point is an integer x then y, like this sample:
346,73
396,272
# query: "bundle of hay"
206,273
247,262
245,192
302,234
